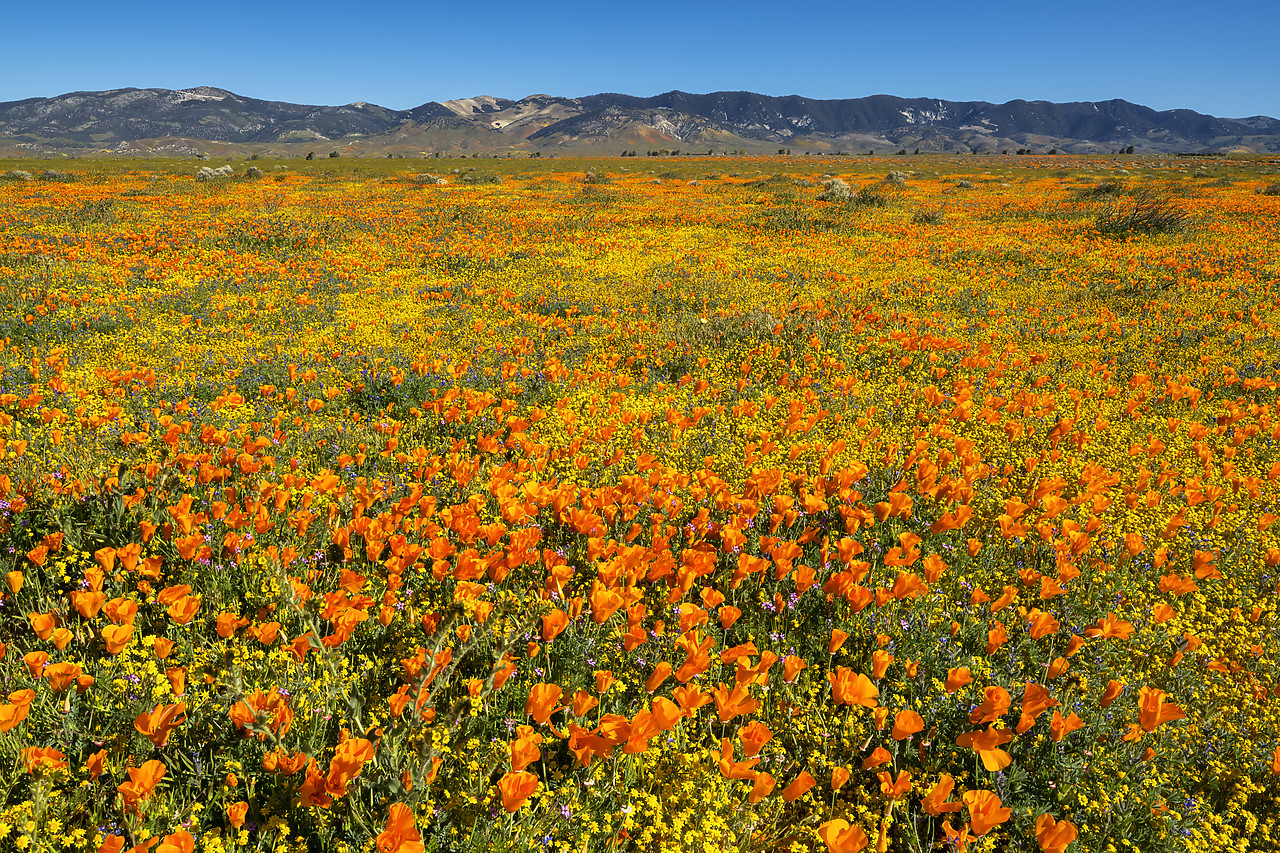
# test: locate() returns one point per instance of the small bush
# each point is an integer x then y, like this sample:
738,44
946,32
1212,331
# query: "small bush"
15,175
479,178
207,174
1270,189
927,217
869,197
1146,214
1106,188
56,176
836,190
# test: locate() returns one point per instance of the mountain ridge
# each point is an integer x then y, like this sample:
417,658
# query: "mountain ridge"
182,121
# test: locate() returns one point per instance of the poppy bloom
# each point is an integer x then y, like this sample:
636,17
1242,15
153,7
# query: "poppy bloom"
62,675
906,723
791,667
754,736
142,783
178,842
43,759
880,661
731,769
935,802
1054,836
236,813
878,756
1154,711
995,703
957,678
763,787
986,812
524,749
840,775
840,837
852,688
1035,701
895,789
160,722
401,834
543,701
987,744
798,787
1060,726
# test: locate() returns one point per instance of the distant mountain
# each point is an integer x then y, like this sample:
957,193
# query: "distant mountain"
207,119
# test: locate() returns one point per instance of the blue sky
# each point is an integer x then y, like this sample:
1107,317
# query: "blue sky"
1217,59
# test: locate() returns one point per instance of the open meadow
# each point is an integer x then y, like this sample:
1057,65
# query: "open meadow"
646,504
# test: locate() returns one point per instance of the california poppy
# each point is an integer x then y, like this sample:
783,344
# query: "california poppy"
906,723
43,759
987,744
957,678
935,802
754,736
1154,711
895,789
730,769
986,812
798,787
401,834
160,722
543,701
852,688
840,837
1054,836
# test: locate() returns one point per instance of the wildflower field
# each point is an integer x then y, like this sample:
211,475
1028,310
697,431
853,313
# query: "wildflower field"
909,503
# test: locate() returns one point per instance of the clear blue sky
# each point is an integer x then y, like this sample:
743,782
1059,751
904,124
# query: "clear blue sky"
1217,58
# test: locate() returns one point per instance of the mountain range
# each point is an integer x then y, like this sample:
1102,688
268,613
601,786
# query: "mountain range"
215,121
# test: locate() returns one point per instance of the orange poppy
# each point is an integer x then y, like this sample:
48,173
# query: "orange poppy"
1154,711
986,812
1054,836
957,678
987,744
995,704
935,802
516,788
178,842
798,787
791,667
731,703
730,769
401,834
236,813
762,787
878,756
1060,726
852,688
43,759
142,783
754,736
906,723
1035,701
543,701
840,837
157,725
895,789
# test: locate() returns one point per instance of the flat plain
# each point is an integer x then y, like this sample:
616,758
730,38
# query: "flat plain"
645,504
